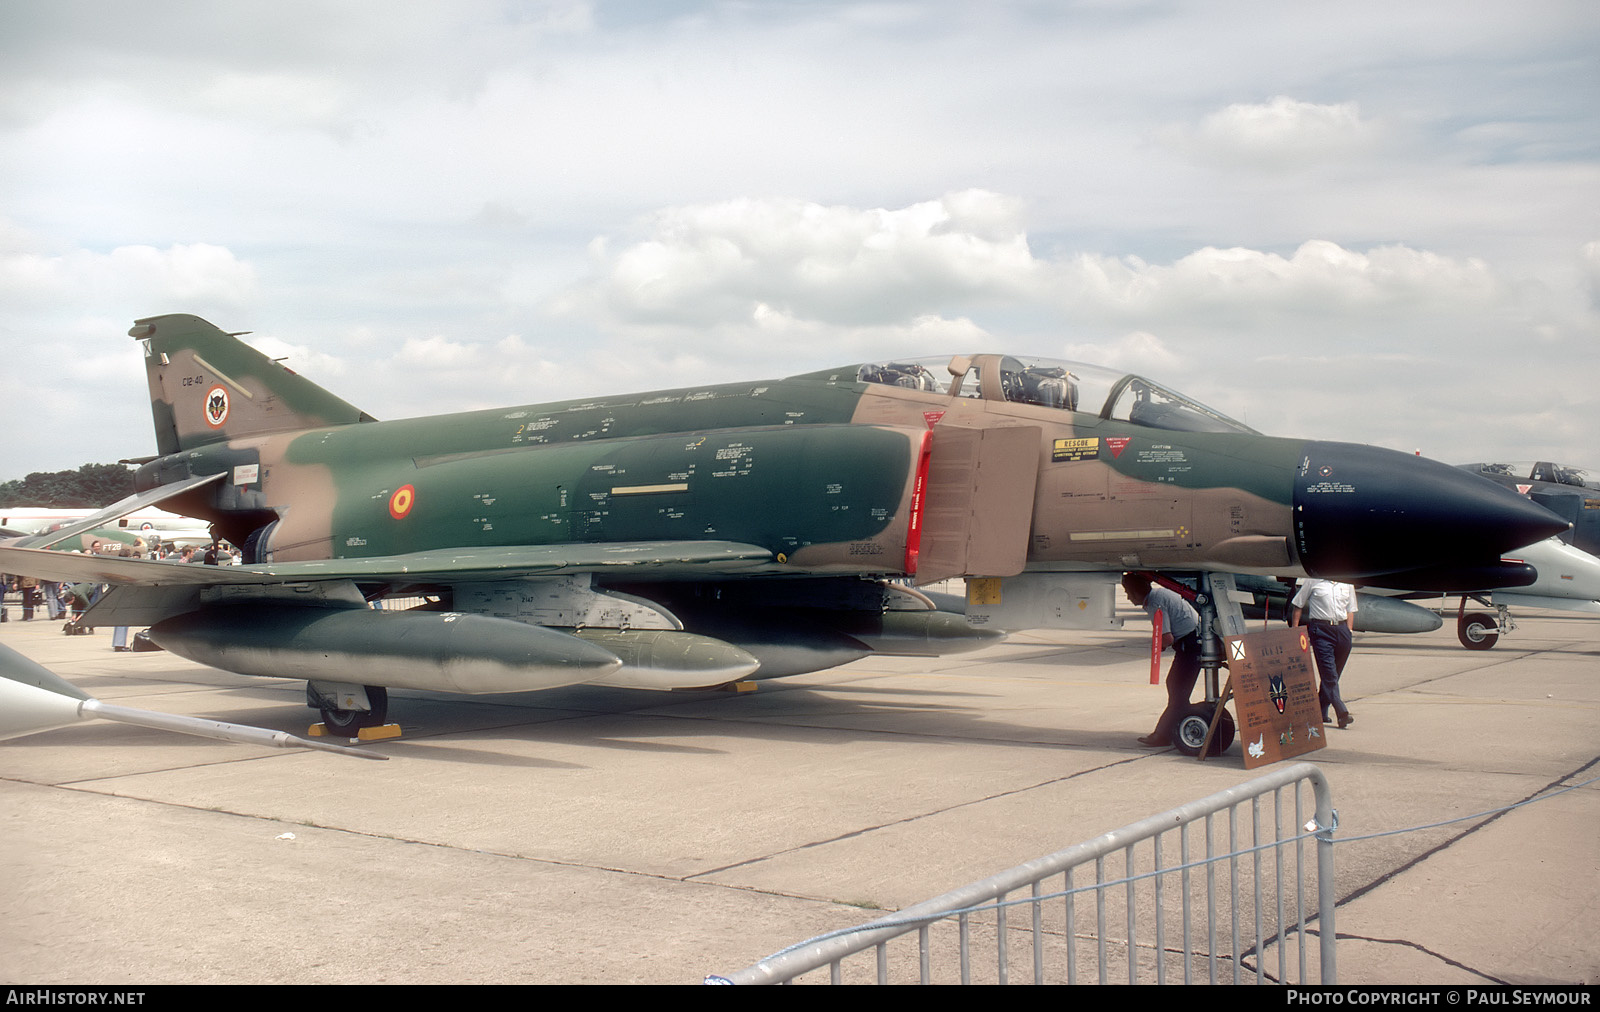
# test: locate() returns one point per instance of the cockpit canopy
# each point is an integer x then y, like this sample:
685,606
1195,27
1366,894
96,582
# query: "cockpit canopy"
1543,470
1069,386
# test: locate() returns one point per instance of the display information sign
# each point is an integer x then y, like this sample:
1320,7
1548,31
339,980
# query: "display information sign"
1275,695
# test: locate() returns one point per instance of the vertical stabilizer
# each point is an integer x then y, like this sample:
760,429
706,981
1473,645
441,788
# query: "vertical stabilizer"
207,386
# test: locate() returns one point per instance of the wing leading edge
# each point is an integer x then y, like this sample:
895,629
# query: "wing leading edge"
635,559
117,510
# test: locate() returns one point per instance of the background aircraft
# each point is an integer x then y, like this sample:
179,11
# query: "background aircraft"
694,537
168,527
102,540
1571,493
1569,580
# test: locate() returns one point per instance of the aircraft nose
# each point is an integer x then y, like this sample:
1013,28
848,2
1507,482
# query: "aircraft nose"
1363,511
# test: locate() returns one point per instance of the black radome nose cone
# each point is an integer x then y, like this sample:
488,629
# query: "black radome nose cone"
1362,511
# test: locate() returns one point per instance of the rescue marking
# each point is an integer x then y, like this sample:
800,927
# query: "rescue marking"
1075,449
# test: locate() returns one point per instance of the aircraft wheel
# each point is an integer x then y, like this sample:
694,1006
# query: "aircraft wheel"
345,723
1191,731
1477,631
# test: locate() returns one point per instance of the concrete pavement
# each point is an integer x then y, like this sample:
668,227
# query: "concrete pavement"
588,835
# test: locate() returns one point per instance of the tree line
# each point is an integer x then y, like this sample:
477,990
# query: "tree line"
90,486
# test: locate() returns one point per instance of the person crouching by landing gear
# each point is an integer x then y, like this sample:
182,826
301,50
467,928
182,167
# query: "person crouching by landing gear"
79,597
1180,630
1330,613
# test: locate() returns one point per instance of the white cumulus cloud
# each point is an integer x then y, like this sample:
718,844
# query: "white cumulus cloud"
130,275
740,259
1589,265
1320,276
1284,131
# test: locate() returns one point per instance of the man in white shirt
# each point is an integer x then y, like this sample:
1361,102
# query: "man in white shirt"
1329,610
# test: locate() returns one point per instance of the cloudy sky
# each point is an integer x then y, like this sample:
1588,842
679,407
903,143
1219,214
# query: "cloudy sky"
1377,222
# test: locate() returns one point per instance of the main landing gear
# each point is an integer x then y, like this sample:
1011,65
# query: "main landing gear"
347,709
1220,616
1190,734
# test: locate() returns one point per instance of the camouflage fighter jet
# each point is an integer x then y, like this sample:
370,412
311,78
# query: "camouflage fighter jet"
705,535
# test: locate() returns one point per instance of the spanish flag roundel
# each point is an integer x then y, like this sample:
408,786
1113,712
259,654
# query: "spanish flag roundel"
400,503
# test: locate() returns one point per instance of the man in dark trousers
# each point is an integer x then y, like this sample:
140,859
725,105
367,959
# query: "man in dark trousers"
1329,610
1180,630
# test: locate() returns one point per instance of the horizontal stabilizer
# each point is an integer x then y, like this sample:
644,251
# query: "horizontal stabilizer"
34,699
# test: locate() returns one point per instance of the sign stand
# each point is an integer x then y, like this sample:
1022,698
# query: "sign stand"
1274,683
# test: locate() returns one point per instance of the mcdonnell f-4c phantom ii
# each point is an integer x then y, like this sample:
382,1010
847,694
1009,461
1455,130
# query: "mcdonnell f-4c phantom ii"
706,535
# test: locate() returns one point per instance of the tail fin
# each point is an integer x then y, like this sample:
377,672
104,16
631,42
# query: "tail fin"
207,385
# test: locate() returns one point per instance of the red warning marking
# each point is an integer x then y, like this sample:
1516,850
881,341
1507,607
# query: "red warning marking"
1155,647
1118,444
932,417
919,488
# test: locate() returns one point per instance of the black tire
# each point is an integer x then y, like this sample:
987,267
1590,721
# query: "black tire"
346,723
1477,631
1190,733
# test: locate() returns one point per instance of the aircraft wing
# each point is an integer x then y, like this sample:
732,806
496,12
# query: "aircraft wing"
1553,603
644,559
122,507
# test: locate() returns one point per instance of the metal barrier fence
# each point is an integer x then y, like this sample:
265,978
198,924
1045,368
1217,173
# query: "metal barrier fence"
1241,926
